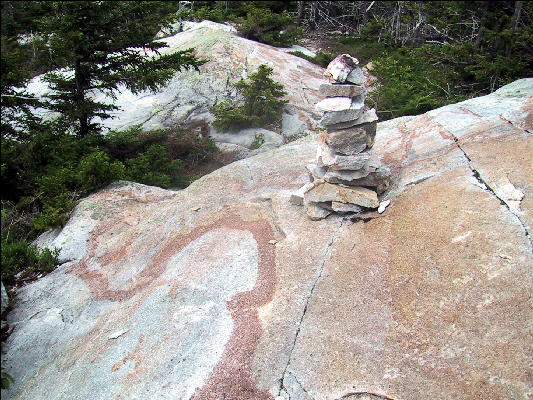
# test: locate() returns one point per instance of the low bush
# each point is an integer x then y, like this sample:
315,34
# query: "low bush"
261,106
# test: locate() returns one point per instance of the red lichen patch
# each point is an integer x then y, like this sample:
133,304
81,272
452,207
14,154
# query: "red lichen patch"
528,120
231,378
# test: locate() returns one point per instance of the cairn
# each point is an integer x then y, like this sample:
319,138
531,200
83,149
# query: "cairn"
347,176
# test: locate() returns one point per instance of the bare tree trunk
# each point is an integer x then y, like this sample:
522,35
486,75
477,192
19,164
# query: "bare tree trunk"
300,13
514,25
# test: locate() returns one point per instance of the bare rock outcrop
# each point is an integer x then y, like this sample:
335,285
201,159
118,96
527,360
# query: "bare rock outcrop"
189,96
227,290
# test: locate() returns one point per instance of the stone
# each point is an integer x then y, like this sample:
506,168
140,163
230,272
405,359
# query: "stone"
339,69
188,97
431,300
335,161
297,197
340,109
356,77
383,205
352,140
340,90
4,299
369,115
345,207
315,211
354,195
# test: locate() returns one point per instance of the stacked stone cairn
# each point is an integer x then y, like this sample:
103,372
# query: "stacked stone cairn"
347,176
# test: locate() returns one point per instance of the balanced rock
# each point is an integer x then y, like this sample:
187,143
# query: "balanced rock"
345,207
334,161
341,90
354,195
339,69
316,211
356,76
340,109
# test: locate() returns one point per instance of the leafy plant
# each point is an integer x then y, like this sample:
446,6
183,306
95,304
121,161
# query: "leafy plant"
262,103
259,139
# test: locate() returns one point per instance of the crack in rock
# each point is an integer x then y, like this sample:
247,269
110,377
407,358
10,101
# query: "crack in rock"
489,189
364,396
319,275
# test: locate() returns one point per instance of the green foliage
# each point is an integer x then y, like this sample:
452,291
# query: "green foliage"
321,58
5,379
102,45
20,257
262,104
265,26
259,139
153,167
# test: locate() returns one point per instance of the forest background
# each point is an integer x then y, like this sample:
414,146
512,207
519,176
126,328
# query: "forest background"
423,54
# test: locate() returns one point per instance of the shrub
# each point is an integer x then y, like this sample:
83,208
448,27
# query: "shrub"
321,58
18,256
263,25
262,104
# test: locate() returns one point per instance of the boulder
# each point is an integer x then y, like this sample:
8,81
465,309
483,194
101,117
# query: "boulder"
188,97
429,300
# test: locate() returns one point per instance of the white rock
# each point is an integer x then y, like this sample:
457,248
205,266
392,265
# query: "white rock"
383,205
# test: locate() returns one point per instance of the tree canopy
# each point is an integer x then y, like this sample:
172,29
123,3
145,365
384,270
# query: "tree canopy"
105,45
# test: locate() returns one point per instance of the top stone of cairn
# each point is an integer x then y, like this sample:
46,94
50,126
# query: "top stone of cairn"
339,69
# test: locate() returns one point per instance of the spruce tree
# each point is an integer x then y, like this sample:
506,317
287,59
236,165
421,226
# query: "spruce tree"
104,45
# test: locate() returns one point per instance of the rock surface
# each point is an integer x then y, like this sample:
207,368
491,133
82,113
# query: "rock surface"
429,300
189,95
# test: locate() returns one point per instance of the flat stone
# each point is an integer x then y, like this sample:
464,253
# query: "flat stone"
345,207
341,90
356,76
353,195
339,69
369,115
316,212
340,110
336,161
352,140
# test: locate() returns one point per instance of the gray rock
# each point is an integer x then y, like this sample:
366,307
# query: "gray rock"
315,211
369,115
345,207
354,195
338,109
4,298
351,140
341,90
356,76
336,161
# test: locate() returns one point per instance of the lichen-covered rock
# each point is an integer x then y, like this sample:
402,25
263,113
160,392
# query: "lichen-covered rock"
353,195
339,69
429,300
341,90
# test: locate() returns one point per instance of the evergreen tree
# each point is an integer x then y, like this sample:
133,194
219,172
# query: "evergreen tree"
104,45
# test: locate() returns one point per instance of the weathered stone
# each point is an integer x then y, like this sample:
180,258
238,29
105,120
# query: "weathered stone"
345,207
297,198
356,77
339,69
340,109
369,115
315,211
352,140
354,195
378,180
4,299
335,161
340,90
